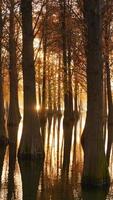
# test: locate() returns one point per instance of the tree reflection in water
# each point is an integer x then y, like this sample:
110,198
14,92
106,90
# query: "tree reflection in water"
2,155
13,131
95,194
30,173
58,178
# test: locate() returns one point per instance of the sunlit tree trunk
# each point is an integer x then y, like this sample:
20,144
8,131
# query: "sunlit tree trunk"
31,142
2,111
95,169
14,113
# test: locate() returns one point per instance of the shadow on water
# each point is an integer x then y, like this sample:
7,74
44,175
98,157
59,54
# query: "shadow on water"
95,194
30,174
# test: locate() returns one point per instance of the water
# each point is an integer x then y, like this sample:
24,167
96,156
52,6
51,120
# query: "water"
58,178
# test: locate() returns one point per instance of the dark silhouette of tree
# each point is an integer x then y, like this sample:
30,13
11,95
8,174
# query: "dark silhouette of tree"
31,142
95,170
107,24
14,113
3,135
68,102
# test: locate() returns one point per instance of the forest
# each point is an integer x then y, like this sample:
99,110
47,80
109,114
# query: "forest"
56,99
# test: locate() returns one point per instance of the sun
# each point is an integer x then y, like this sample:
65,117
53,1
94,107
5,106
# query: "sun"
36,42
37,107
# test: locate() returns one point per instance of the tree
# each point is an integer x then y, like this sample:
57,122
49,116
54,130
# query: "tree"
3,136
107,24
44,57
31,141
68,100
95,169
14,113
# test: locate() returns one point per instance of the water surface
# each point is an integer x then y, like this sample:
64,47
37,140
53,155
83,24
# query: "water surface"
59,177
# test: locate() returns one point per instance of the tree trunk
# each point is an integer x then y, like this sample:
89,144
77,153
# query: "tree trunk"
3,134
59,84
31,142
69,58
95,169
14,113
109,92
110,111
68,99
44,59
105,120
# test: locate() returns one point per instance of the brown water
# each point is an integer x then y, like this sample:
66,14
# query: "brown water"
58,178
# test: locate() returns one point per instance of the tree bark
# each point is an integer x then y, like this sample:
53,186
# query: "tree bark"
110,112
44,58
68,103
14,113
31,142
3,135
109,92
95,169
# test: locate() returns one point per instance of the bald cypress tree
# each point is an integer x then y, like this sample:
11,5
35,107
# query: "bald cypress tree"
31,141
14,113
95,170
3,136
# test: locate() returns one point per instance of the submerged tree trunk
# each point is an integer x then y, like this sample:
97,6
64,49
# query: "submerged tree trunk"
14,113
95,169
31,142
3,136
